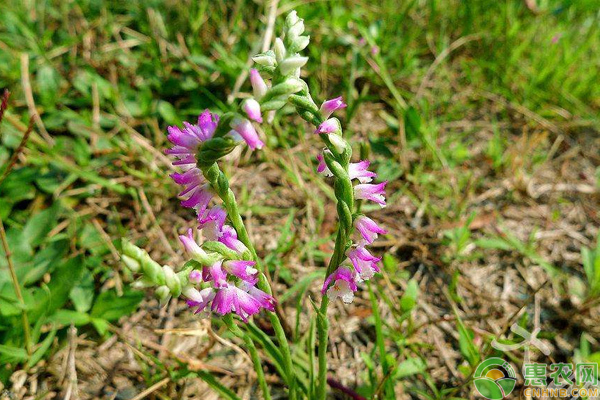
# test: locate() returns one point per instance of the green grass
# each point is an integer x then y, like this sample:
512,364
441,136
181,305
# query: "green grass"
108,77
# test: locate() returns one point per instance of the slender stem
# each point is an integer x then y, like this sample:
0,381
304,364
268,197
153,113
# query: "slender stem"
260,374
17,288
308,110
323,331
220,184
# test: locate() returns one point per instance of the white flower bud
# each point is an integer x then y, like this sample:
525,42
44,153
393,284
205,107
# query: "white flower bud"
130,263
172,281
290,64
279,49
296,30
338,142
300,43
163,295
265,60
292,18
192,294
295,85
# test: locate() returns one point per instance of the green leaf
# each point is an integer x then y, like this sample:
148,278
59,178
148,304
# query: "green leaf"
217,386
110,306
44,261
12,354
55,294
82,295
273,352
409,298
168,112
40,224
410,366
493,243
47,80
39,353
465,341
101,325
68,317
412,124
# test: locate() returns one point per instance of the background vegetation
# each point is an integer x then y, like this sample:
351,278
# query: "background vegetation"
484,115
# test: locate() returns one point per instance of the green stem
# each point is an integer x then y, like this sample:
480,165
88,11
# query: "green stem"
220,184
323,332
260,374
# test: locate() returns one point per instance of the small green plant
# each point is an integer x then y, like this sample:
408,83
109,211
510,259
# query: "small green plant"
591,265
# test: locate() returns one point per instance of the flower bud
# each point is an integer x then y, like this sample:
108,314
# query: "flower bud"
338,142
192,247
259,87
252,109
296,30
329,126
300,43
130,263
266,59
290,64
244,128
143,283
279,49
192,294
329,106
163,294
295,85
172,281
195,276
292,18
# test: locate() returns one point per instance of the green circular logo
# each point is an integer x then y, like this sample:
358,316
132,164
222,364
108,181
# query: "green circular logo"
495,378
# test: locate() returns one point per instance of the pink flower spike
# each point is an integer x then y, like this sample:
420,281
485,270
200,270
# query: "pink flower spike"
359,171
373,192
259,87
322,167
365,264
242,269
368,229
211,222
252,109
328,126
330,106
245,129
343,286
